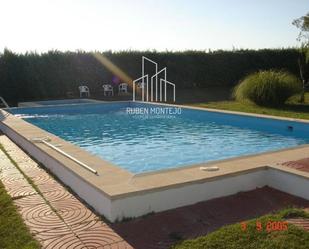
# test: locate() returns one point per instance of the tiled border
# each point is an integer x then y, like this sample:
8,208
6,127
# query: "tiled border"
55,217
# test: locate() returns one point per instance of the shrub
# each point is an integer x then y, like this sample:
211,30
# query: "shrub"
268,88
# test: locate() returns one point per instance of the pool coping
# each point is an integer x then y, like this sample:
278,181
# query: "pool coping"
32,104
116,183
231,112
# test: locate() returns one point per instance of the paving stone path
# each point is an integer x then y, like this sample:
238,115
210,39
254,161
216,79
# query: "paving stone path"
56,218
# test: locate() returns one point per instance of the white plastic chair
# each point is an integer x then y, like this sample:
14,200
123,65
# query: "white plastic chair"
122,88
84,90
108,90
141,85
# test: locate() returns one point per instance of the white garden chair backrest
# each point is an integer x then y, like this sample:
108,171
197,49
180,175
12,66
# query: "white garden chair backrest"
83,88
107,88
141,84
123,87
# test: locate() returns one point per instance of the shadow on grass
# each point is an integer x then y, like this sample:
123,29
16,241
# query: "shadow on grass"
295,107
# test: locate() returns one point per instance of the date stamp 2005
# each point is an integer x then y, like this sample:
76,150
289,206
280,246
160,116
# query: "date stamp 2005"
268,226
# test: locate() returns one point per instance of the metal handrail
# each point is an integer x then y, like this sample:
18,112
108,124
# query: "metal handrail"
40,140
4,102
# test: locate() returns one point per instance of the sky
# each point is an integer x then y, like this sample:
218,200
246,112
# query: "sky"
42,25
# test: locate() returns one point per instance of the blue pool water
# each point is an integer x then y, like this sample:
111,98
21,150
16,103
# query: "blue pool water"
124,134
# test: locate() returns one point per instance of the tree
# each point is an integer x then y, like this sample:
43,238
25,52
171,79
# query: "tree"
302,23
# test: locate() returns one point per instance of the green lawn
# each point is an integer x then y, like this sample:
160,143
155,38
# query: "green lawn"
292,108
233,237
13,232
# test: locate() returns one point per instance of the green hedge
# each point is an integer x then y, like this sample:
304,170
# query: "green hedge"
33,76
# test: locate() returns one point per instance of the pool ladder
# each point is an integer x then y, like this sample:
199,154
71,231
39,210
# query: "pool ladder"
4,102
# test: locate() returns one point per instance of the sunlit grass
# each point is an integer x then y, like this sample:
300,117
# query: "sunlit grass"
13,232
292,109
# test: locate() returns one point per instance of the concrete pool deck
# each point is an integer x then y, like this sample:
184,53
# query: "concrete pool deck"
118,194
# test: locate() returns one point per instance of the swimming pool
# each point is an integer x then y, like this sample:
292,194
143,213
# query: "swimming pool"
147,137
